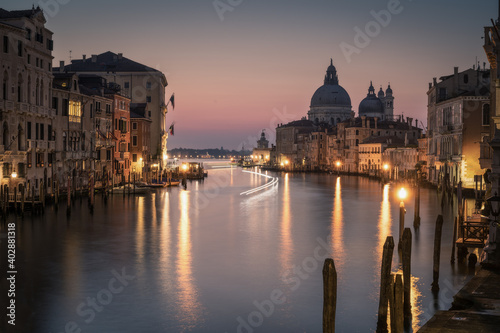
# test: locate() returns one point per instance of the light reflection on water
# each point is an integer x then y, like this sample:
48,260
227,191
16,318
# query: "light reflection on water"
203,256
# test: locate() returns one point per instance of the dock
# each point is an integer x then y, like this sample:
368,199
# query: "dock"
475,308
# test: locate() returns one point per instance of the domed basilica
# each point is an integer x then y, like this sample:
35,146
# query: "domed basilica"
331,103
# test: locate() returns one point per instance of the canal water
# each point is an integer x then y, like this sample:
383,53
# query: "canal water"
211,259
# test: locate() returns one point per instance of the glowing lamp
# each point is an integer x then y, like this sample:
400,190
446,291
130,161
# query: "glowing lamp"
287,162
386,166
402,193
338,164
184,167
14,174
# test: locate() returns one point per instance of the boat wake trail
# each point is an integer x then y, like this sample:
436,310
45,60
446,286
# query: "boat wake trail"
274,181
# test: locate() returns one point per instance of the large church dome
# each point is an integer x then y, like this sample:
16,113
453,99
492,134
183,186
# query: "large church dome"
371,106
330,103
331,95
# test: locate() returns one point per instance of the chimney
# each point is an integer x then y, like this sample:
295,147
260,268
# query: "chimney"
84,56
416,123
120,56
61,66
430,85
94,58
410,121
434,80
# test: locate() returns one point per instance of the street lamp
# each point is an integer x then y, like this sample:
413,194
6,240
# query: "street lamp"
402,194
338,167
495,205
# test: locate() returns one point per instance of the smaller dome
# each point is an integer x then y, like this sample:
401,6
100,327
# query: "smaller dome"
380,93
371,106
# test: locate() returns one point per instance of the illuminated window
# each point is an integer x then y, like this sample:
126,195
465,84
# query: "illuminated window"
75,111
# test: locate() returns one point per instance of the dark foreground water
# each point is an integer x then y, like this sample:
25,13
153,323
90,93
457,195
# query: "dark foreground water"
208,259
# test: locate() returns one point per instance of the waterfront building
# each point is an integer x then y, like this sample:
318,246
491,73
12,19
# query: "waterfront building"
102,136
458,120
262,154
290,141
73,131
140,138
26,116
371,151
120,133
138,82
330,103
401,160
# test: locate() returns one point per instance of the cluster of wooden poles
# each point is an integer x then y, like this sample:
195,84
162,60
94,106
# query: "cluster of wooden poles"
395,288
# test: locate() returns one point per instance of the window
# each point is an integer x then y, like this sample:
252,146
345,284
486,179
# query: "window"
37,131
65,105
108,154
148,85
37,62
134,125
75,111
134,140
50,44
49,159
55,104
486,114
148,99
134,157
19,48
126,85
42,130
29,59
108,108
39,159
28,34
5,44
149,114
29,130
466,78
49,133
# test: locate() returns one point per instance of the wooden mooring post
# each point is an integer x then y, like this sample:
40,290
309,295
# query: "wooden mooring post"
92,194
385,275
397,302
56,194
15,199
68,207
22,198
416,216
407,244
329,295
437,253
402,212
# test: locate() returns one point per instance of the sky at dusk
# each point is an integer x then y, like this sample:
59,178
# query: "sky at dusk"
252,64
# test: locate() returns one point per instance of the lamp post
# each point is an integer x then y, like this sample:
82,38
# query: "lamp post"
402,211
338,164
386,170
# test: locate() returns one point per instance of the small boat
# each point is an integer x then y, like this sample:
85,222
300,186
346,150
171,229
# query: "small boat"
133,189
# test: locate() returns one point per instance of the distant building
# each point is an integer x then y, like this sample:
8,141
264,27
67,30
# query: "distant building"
458,120
140,83
262,154
330,103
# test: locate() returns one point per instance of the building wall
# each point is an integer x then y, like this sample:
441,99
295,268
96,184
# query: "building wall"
25,95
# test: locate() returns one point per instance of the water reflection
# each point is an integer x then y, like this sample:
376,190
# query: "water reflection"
384,223
338,227
164,248
286,238
188,296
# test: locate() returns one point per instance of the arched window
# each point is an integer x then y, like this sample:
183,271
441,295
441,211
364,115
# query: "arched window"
486,114
466,78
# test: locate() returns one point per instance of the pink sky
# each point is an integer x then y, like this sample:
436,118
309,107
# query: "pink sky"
234,77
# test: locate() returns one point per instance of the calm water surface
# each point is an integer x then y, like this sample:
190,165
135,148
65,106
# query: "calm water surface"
208,259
